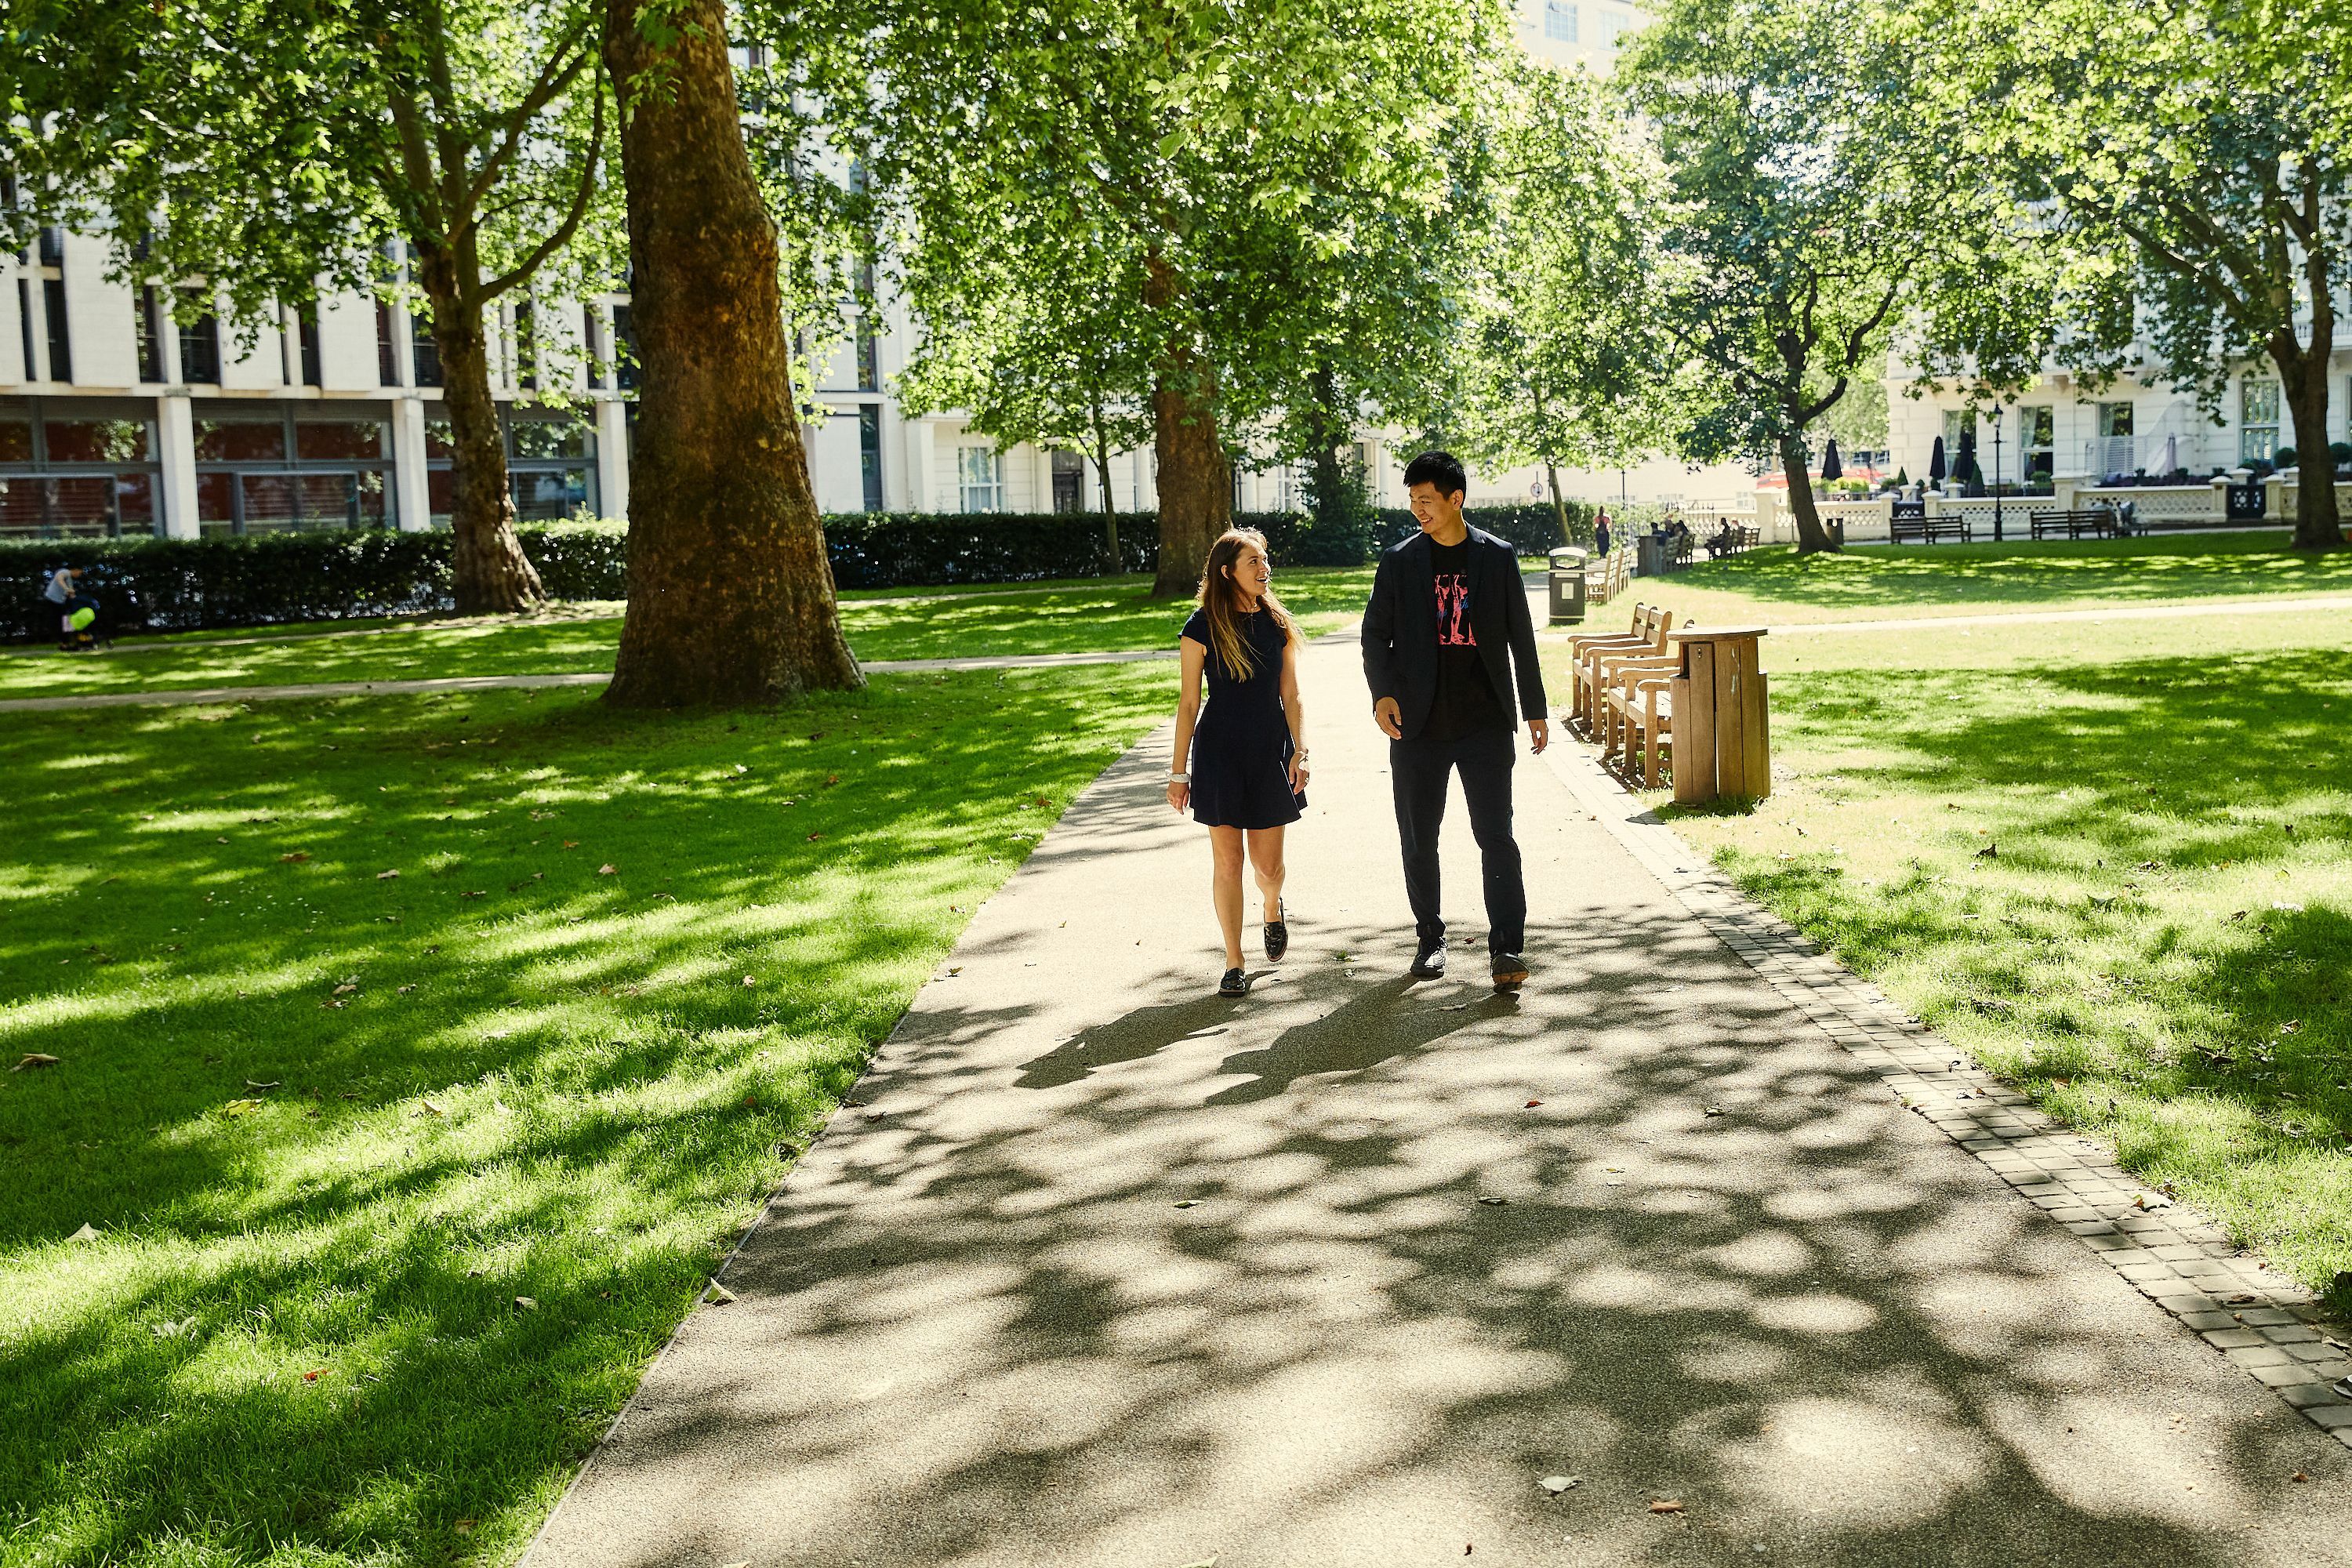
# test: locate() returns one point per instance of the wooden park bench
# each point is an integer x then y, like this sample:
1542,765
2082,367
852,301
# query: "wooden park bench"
1603,667
1735,539
1648,637
1909,521
2098,522
1638,710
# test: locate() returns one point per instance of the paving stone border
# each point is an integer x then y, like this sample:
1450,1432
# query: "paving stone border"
2271,1326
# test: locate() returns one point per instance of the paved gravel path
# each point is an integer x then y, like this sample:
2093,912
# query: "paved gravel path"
1727,1270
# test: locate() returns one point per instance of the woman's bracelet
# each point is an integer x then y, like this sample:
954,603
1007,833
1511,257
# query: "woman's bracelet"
1179,778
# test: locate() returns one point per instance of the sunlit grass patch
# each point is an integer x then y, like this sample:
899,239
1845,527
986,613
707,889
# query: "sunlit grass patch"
2124,883
1779,586
398,1181
1115,615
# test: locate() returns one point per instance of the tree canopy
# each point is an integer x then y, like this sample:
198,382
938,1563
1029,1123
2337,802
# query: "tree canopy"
2183,169
266,150
1255,178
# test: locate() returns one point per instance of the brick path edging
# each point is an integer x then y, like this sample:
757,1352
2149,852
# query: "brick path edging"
2272,1327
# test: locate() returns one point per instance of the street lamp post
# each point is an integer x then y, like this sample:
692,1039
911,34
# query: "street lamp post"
1998,419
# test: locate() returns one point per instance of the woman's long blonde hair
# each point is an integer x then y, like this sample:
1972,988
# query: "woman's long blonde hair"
1221,601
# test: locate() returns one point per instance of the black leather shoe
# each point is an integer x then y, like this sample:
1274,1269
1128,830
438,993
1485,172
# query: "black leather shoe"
1429,963
1234,983
1510,972
1277,935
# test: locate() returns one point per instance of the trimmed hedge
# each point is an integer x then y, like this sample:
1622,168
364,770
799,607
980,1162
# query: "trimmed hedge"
179,584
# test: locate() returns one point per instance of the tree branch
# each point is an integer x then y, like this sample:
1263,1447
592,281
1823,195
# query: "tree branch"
556,241
543,92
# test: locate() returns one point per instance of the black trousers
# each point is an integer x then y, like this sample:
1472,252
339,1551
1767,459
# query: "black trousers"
1419,770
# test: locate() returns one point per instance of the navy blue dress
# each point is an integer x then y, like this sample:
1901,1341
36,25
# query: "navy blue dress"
1241,748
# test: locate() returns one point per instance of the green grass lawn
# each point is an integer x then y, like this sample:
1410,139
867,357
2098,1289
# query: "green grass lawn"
1116,615
1777,586
2115,863
398,1181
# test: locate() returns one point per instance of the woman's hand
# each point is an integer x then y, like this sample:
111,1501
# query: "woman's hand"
1180,795
1298,771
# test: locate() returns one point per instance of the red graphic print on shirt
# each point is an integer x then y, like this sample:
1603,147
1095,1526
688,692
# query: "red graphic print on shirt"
1453,611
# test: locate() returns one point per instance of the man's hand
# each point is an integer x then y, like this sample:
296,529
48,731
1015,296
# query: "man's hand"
1539,734
1392,723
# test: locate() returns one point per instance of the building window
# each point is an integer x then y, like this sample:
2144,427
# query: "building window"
79,469
2115,419
148,310
980,478
387,347
1614,25
1560,21
426,352
53,297
25,325
870,453
869,360
625,350
1070,482
2258,420
2037,439
526,340
306,329
200,355
289,467
53,247
552,468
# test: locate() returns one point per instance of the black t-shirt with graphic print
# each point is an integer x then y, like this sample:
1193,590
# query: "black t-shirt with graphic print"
1464,701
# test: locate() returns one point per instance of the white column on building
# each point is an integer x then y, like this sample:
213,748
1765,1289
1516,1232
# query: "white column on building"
612,457
176,444
1040,479
36,325
921,450
415,510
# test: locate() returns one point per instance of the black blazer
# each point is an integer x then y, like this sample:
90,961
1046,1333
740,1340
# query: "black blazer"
1400,628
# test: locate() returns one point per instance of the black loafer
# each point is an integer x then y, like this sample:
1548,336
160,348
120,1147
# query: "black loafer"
1429,963
1277,936
1510,972
1234,983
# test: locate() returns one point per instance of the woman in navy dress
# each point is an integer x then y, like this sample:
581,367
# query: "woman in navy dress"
1246,777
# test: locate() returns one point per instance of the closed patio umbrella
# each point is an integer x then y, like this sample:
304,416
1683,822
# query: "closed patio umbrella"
1831,468
1936,469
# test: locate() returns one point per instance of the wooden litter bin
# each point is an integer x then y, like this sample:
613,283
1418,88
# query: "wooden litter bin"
1722,735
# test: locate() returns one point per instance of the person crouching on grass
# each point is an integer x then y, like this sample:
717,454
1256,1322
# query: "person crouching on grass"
1246,780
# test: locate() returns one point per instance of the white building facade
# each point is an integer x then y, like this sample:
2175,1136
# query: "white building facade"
116,419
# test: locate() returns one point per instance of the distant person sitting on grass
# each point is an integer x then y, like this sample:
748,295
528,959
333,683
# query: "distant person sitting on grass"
1241,765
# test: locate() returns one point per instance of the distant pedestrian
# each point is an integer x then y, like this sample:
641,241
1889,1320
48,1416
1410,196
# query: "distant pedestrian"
68,602
1241,764
1601,529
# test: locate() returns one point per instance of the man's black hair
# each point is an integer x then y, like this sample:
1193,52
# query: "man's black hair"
1443,469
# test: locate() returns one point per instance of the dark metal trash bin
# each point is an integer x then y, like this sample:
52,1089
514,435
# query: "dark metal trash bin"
1650,555
1568,586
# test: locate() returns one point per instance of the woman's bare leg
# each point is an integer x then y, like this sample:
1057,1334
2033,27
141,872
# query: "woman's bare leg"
1225,866
1266,862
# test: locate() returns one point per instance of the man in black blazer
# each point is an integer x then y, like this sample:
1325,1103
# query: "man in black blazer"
1448,644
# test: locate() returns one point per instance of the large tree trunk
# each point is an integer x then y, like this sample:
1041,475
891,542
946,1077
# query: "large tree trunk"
1559,504
1196,487
1811,537
2302,382
731,594
1329,477
490,574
